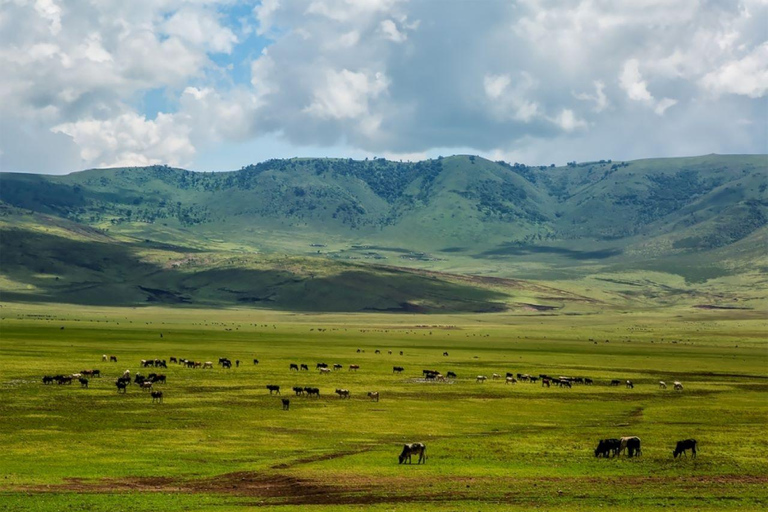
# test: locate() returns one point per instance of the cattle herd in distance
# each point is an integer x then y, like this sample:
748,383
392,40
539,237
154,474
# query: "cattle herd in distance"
611,447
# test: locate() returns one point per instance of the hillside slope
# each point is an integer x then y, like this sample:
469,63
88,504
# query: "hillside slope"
699,218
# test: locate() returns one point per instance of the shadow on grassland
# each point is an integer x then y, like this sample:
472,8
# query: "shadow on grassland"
49,268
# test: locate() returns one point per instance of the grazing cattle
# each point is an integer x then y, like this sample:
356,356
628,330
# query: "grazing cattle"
373,395
481,378
427,372
608,447
343,393
227,364
286,403
145,363
324,371
450,375
684,446
321,365
411,449
146,385
208,364
112,359
358,351
83,382
158,378
545,382
532,379
298,390
565,383
104,358
431,375
389,352
354,367
401,352
139,379
174,360
64,380
630,385
495,376
47,379
161,364
255,361
662,384
237,363
377,351
588,382
222,359
510,380
631,445
615,382
305,367
273,389
121,385
312,392
157,396
397,369
678,386
198,364
293,367
439,377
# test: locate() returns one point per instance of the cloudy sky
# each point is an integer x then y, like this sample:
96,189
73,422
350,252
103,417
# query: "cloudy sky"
215,85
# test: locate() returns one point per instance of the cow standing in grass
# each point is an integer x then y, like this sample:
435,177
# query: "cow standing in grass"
411,449
684,446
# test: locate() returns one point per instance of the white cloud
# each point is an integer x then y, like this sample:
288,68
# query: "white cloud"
747,76
129,140
346,94
568,121
200,28
599,98
637,89
391,32
362,74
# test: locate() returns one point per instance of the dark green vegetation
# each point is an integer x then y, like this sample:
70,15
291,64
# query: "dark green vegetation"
220,442
638,234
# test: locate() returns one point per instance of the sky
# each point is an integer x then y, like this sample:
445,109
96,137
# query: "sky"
217,85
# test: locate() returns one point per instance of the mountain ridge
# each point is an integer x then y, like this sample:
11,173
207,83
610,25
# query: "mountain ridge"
700,218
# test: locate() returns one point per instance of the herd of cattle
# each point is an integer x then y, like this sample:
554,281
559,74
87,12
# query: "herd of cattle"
612,447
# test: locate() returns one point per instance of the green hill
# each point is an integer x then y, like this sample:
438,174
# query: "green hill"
698,219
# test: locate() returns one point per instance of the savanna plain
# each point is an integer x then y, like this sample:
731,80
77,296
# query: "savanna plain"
220,441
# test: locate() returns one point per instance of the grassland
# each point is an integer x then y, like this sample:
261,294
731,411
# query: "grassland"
221,442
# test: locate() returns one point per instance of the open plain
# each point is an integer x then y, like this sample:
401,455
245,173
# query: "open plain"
220,441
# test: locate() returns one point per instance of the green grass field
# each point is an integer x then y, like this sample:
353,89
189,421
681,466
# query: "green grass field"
221,442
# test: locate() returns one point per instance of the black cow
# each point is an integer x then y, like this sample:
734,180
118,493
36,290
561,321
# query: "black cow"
321,365
286,403
83,382
293,367
684,446
450,375
121,384
397,369
227,364
305,367
312,392
587,381
413,449
47,379
615,382
159,378
337,366
174,360
272,388
112,359
608,447
157,396
255,361
298,390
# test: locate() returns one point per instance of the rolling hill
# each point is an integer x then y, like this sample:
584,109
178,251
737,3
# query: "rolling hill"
340,234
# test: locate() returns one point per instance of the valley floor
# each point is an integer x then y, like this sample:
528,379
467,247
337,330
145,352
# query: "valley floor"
220,441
